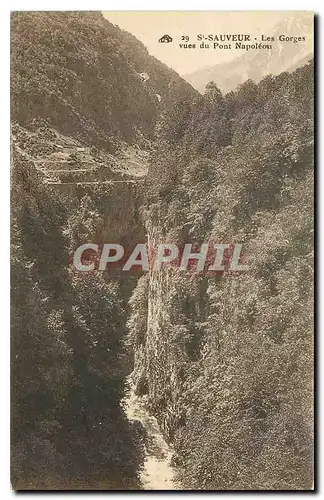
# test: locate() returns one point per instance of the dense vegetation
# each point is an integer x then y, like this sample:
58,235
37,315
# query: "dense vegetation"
227,360
68,368
82,74
74,76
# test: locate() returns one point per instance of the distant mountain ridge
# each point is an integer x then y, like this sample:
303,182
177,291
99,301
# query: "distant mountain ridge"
256,64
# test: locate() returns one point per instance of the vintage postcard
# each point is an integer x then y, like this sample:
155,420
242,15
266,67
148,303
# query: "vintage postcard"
162,196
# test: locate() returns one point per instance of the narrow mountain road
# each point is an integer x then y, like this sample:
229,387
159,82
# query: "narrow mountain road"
85,183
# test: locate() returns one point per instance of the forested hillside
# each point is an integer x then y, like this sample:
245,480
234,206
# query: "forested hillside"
226,361
82,74
69,364
72,89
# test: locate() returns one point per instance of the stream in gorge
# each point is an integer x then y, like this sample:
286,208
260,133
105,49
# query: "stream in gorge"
157,473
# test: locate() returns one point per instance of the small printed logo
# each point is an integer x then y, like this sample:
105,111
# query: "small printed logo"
165,39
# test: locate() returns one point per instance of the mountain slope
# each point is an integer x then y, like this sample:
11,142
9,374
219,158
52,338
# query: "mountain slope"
82,74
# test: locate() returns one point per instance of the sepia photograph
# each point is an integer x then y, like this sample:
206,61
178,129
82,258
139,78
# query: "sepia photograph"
162,250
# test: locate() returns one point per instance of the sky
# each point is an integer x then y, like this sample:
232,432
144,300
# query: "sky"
149,26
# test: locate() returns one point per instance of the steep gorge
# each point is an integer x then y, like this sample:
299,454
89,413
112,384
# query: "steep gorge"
84,125
223,363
